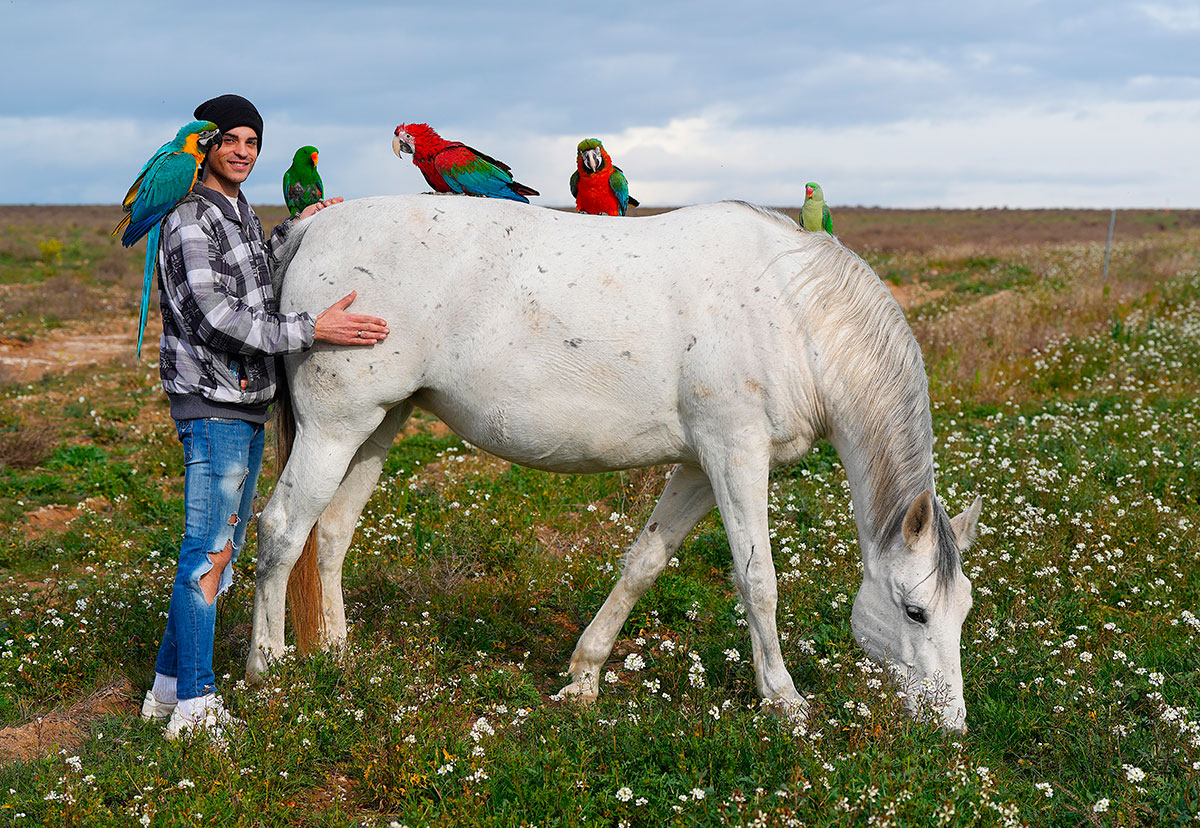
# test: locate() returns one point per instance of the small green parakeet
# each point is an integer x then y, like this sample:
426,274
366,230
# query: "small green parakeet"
814,215
301,183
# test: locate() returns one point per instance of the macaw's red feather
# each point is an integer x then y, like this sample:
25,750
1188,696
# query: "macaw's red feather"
426,145
596,194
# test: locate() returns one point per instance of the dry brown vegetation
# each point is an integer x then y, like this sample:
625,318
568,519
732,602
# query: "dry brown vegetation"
25,446
65,730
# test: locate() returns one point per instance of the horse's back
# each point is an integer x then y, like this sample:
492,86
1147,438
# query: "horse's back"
558,340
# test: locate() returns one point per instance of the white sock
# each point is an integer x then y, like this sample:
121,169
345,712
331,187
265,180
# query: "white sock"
164,688
193,709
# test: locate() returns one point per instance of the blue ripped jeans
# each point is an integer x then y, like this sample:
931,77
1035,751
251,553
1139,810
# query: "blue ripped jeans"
222,459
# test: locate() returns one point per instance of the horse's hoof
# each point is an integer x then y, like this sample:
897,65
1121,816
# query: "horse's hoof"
576,693
794,709
256,670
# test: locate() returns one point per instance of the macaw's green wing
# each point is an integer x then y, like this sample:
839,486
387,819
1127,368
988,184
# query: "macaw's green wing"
826,219
291,192
575,184
476,175
620,187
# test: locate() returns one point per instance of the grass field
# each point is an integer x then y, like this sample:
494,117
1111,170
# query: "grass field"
1065,400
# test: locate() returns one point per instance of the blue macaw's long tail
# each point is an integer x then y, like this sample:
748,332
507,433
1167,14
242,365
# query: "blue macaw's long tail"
147,281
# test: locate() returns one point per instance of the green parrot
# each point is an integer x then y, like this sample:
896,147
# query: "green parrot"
814,215
301,183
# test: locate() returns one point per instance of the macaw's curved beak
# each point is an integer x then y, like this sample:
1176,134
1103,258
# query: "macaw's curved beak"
206,138
314,158
592,159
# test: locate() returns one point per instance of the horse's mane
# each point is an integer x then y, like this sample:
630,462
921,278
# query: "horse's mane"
878,385
766,212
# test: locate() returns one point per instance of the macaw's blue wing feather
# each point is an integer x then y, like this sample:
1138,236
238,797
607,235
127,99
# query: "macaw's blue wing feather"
620,188
469,171
167,179
147,281
482,178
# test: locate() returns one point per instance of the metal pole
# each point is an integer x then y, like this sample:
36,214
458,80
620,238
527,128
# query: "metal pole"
1108,244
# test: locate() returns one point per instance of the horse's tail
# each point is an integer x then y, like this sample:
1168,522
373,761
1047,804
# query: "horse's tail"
304,584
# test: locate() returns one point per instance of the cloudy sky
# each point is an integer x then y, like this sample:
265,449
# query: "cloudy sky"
908,104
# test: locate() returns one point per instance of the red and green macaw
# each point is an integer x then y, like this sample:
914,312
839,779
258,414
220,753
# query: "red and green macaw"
163,181
599,187
453,167
814,215
302,184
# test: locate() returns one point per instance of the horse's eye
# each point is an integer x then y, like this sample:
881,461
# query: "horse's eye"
916,613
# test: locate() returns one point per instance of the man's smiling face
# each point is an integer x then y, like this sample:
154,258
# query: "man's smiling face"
232,159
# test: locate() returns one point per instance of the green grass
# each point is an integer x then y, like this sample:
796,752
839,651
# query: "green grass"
469,581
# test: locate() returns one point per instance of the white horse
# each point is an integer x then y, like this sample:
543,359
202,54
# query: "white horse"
720,338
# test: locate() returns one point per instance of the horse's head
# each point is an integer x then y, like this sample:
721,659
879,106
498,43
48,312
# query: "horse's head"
909,612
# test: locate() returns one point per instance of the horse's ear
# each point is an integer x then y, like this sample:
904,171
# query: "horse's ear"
966,525
919,520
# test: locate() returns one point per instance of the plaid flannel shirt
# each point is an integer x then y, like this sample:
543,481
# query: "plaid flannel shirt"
222,328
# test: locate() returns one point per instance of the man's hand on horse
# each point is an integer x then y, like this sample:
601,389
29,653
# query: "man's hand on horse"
313,209
337,327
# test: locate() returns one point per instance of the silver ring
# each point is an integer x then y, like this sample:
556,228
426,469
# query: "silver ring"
360,334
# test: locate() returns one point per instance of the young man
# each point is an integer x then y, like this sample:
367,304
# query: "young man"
222,332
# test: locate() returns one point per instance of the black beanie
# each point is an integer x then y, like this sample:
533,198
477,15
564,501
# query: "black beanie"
230,111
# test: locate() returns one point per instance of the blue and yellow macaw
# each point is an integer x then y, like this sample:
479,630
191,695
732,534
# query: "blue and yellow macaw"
164,180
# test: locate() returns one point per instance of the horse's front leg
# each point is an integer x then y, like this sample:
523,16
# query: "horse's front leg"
740,485
686,498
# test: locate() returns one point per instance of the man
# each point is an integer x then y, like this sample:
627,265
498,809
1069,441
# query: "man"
222,332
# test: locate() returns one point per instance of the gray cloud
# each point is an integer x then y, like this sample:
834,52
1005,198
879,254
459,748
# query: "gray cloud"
809,94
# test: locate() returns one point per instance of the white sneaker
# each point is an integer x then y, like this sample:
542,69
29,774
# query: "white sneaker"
212,718
153,709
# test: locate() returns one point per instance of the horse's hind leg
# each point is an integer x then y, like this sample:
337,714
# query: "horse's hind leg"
336,525
687,498
312,476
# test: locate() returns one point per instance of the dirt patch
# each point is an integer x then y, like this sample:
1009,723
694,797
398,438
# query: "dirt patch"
75,346
914,293
56,517
338,790
417,425
65,730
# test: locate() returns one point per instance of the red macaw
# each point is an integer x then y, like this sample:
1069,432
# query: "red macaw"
453,167
599,187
